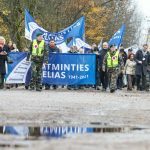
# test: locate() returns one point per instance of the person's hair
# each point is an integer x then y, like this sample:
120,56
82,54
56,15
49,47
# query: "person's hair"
130,49
145,45
105,43
112,45
14,46
130,55
122,50
3,39
52,40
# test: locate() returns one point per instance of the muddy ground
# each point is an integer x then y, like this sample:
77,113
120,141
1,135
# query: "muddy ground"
79,108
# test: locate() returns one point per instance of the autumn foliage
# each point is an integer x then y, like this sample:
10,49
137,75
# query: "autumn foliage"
103,17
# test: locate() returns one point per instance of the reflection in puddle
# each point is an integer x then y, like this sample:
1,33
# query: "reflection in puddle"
54,132
57,132
42,133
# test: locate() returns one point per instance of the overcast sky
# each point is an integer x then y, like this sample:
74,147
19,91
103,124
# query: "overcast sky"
144,5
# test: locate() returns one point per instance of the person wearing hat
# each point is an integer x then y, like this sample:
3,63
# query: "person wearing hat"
37,56
111,63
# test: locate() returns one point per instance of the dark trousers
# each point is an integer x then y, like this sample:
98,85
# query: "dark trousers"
148,80
104,79
130,81
98,82
140,78
2,76
120,81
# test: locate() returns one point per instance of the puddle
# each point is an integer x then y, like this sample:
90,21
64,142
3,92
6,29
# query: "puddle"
56,132
47,133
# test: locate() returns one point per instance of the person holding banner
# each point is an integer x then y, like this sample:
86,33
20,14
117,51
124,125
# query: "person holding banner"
52,48
3,59
103,74
111,63
37,55
120,83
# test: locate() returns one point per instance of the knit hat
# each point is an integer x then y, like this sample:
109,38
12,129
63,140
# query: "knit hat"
112,45
39,34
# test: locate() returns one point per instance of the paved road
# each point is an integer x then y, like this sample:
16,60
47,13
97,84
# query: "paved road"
81,108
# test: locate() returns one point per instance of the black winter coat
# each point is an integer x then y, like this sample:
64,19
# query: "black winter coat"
3,59
141,69
103,52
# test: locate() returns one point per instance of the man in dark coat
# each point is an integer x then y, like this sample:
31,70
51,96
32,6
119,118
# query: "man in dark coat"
3,59
52,48
148,74
141,59
124,56
103,74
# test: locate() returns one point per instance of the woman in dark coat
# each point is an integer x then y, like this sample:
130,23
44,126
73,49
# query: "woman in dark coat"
3,59
141,59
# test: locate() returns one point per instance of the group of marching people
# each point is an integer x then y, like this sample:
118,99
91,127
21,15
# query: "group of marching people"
118,69
115,68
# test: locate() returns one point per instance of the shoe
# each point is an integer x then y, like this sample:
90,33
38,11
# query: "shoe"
103,90
1,87
16,85
55,87
129,89
69,87
26,87
112,91
147,90
32,88
8,87
38,89
76,88
97,88
47,88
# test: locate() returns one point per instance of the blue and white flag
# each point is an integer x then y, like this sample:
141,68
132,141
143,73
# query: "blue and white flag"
79,43
32,28
70,69
62,69
58,132
18,70
118,37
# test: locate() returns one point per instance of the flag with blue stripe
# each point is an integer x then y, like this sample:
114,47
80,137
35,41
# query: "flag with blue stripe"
118,37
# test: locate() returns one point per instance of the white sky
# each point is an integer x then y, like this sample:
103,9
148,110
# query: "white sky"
145,7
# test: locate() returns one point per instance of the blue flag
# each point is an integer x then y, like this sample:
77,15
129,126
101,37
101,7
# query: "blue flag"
32,28
118,37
